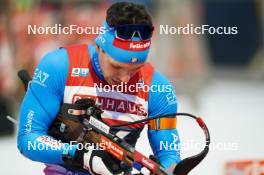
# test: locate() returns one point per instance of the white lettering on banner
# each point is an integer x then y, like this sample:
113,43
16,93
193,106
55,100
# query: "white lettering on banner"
135,107
121,106
71,91
110,104
132,108
99,102
117,105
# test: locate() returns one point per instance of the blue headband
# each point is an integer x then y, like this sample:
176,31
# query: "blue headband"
125,51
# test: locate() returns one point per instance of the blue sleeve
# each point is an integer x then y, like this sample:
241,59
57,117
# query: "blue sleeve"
40,107
162,101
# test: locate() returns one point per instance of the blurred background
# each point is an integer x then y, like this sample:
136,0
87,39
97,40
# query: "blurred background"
219,77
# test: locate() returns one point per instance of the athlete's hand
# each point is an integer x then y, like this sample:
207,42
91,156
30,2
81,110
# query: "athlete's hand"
99,162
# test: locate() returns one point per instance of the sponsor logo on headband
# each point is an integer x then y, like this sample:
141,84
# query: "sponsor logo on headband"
134,60
132,45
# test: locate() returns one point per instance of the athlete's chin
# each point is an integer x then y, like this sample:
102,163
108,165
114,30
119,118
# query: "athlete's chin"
110,81
113,82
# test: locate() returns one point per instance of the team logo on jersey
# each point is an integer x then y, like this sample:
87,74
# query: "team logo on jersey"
40,77
171,98
80,72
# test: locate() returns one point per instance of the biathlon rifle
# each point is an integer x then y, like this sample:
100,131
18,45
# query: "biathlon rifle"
100,133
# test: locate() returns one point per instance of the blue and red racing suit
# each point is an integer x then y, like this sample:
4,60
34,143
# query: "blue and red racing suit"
68,74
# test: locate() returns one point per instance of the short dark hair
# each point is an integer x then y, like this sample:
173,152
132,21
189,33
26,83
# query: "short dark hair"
127,13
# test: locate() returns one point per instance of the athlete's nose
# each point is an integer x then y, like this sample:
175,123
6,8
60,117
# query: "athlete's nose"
125,76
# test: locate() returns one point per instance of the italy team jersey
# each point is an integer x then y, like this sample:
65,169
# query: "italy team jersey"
71,73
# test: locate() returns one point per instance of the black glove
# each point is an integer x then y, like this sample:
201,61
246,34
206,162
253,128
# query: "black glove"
99,162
